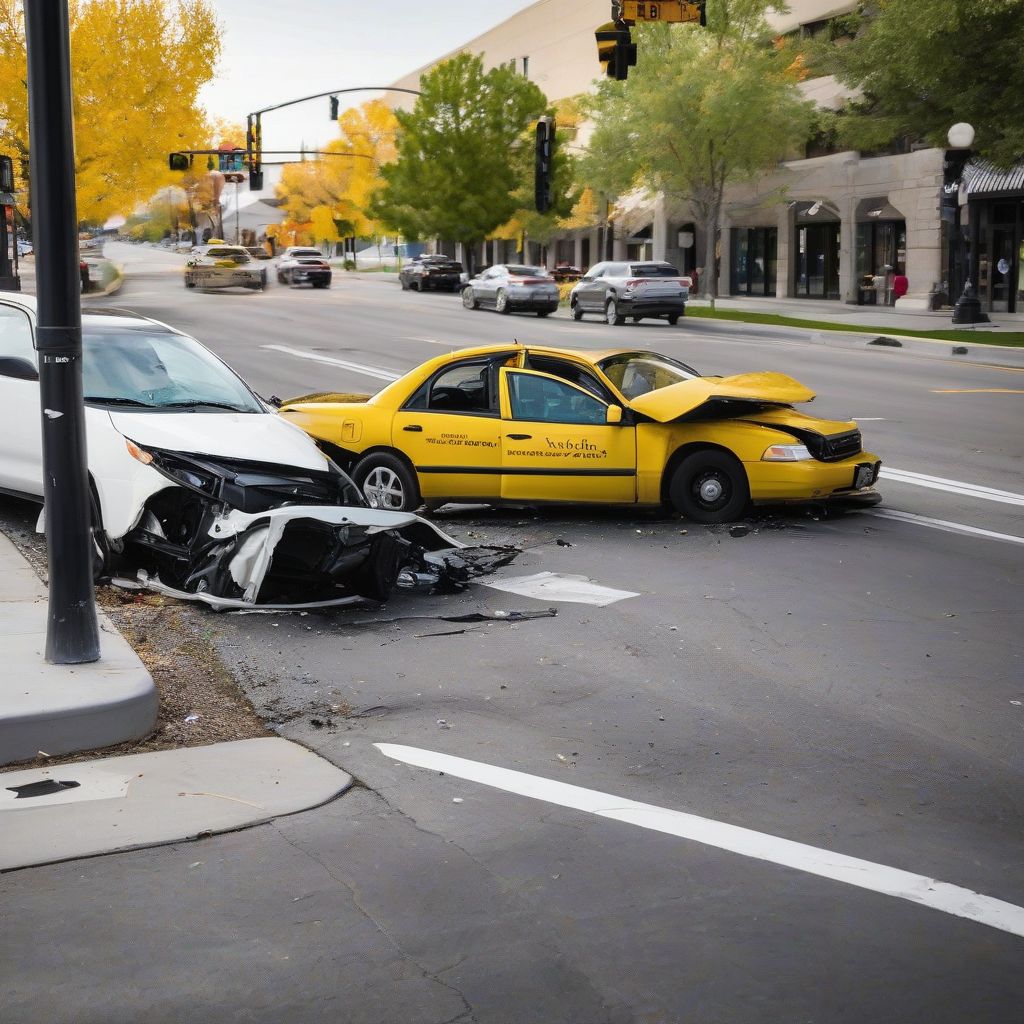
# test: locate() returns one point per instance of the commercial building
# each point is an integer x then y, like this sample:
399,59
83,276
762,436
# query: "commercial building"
830,225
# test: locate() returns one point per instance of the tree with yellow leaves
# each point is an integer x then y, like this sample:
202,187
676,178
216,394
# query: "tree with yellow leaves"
336,189
137,67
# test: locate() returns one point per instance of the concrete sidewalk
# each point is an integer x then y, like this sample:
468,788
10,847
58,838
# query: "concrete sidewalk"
61,709
890,318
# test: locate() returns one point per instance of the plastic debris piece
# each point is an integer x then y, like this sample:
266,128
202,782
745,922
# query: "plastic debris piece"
443,724
189,719
456,799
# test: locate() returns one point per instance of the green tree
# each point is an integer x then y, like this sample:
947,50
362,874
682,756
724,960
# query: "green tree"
460,153
703,109
924,65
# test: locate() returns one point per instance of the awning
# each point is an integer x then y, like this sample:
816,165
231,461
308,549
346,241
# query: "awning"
985,179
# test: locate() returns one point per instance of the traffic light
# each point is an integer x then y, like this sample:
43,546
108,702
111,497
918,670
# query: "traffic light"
542,165
179,161
616,49
334,108
6,174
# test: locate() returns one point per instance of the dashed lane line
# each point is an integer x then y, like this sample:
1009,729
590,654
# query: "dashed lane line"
941,524
316,357
938,483
864,874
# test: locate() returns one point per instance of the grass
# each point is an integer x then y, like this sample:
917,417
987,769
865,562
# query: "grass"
1012,339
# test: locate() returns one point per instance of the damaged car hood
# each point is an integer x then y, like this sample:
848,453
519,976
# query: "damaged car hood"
699,396
226,435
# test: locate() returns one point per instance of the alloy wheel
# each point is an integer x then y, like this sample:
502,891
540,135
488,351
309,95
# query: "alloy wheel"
383,489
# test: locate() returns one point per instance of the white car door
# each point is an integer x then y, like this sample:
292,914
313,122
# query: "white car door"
21,436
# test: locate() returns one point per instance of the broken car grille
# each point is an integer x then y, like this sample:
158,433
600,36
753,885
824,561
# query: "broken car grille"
840,446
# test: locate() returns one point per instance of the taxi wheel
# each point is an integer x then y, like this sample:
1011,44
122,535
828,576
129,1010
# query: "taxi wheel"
501,301
673,318
577,311
611,314
387,483
377,576
469,299
709,487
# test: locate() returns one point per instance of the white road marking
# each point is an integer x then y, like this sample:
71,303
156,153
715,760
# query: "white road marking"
868,419
938,483
941,524
553,586
864,874
436,341
316,357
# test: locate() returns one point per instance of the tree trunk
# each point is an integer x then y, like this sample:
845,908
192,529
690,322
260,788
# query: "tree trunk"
708,273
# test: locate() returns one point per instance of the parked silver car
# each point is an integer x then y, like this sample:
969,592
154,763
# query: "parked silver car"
618,290
507,288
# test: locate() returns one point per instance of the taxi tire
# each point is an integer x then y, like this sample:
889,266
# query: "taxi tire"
377,576
715,468
611,314
501,302
673,318
387,462
577,311
469,299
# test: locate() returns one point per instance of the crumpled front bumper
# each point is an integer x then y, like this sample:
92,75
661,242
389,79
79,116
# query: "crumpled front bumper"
300,556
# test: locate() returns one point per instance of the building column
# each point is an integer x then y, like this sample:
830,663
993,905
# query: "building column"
924,246
659,232
848,249
725,255
784,251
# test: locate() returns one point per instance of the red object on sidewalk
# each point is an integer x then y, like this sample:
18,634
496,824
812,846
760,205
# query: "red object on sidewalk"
900,285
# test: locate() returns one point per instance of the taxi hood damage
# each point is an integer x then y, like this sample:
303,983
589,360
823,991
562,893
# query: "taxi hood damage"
235,534
720,397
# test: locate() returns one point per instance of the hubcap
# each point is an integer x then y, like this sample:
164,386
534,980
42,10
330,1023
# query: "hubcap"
383,489
711,489
467,298
611,313
501,301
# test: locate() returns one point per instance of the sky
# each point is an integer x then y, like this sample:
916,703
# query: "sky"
274,51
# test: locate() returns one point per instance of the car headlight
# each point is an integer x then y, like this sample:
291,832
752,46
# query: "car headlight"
786,453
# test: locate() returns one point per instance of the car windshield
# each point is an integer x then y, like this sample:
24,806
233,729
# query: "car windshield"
636,373
527,271
653,270
238,255
149,368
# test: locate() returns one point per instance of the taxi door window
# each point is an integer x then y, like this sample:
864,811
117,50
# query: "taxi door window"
546,400
463,388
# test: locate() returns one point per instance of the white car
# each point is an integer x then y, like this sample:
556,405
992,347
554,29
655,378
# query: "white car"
303,265
199,488
218,265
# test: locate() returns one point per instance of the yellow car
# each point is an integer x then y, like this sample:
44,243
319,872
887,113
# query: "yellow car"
525,425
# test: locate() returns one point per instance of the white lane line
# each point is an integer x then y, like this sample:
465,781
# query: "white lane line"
435,341
941,524
865,874
316,357
938,483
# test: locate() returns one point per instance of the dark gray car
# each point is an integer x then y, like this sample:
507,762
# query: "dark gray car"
511,287
617,290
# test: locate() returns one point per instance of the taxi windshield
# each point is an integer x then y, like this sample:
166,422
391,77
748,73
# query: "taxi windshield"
225,253
636,373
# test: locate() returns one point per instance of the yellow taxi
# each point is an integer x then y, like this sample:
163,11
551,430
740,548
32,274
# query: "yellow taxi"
528,425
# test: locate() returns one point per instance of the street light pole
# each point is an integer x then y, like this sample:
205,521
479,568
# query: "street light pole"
72,635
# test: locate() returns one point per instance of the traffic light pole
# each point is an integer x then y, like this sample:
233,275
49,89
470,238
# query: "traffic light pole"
72,635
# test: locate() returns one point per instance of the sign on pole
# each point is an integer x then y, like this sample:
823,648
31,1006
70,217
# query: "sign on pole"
664,10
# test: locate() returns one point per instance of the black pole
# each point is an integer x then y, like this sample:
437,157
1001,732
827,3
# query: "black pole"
72,635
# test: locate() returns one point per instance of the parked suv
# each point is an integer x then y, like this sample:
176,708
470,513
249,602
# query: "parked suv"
618,290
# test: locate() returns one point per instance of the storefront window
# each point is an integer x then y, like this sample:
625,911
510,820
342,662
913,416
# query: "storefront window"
754,257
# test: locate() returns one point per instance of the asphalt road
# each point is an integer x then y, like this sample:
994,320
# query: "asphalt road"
850,684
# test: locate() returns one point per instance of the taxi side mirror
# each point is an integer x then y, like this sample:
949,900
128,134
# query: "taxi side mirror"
614,414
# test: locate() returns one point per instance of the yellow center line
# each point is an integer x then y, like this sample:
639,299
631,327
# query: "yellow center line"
977,391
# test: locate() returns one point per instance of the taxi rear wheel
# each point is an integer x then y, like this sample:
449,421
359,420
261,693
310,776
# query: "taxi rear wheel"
611,314
387,483
709,486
